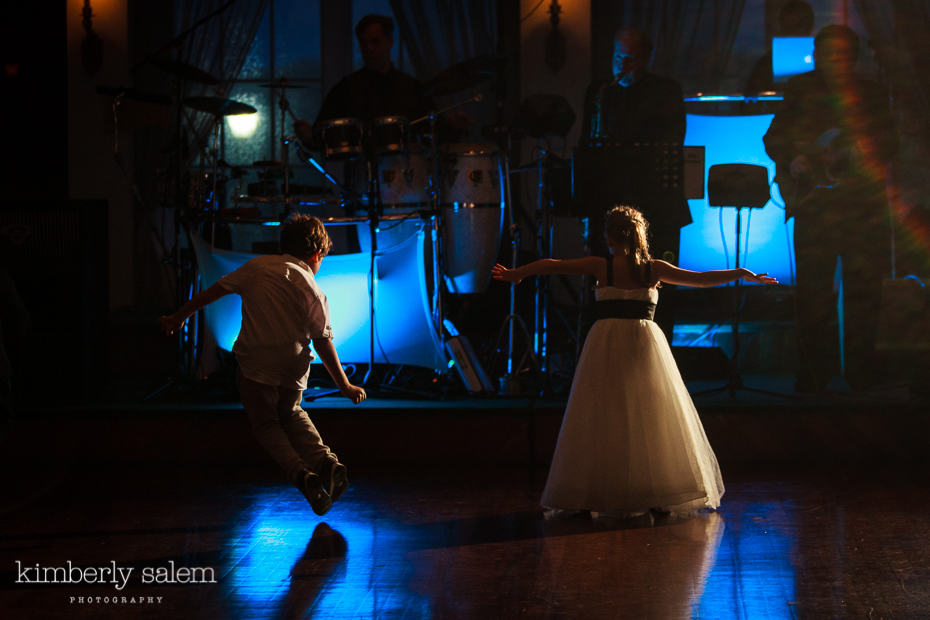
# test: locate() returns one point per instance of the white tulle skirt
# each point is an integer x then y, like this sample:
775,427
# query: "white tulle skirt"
631,439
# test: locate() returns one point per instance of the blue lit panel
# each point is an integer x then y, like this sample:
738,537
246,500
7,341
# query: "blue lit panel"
404,331
791,56
709,242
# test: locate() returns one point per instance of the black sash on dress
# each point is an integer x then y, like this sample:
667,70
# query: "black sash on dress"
623,308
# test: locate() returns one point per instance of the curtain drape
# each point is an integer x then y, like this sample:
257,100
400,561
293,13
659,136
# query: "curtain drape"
219,46
438,34
693,41
896,34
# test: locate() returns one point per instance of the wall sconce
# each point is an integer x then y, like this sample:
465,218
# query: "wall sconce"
91,46
554,52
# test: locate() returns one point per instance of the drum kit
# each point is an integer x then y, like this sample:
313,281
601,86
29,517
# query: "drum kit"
389,176
385,180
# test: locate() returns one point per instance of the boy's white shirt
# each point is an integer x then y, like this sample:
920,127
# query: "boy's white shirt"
283,309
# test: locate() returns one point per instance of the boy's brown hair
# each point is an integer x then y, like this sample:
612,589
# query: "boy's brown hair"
303,236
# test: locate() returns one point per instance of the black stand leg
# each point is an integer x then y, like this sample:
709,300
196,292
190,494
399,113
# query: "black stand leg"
735,380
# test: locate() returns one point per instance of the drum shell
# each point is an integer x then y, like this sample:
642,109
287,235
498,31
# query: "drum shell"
471,243
388,134
342,138
472,215
403,179
471,175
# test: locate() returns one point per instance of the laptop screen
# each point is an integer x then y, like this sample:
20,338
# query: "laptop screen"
790,56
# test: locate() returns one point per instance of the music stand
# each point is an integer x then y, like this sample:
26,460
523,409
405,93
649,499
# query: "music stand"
738,186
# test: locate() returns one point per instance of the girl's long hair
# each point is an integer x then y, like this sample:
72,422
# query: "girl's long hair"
628,228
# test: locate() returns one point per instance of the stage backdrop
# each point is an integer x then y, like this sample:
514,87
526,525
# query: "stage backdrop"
766,240
404,332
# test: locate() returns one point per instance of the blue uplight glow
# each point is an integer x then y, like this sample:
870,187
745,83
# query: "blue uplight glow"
767,241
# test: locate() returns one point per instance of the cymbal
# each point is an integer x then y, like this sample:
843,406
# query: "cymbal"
184,71
461,76
283,83
134,94
219,106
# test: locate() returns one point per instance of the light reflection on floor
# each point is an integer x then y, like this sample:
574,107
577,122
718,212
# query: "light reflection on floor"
753,572
363,561
287,561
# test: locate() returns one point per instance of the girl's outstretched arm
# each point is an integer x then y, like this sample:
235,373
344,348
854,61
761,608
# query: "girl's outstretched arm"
667,272
547,266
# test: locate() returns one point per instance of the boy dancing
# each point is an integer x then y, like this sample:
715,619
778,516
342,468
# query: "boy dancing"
283,311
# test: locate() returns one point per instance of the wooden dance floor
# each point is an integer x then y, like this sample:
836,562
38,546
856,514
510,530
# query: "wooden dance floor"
190,521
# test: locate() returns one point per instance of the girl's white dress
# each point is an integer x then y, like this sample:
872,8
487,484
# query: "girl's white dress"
631,439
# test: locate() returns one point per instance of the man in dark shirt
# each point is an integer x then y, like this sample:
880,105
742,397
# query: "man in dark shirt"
628,122
636,105
377,89
633,109
831,142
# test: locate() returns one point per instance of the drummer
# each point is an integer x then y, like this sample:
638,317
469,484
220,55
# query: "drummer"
377,89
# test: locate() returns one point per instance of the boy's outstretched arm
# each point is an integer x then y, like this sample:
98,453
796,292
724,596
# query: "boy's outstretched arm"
173,322
327,352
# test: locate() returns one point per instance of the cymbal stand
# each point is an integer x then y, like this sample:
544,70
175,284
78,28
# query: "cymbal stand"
311,161
436,228
186,351
374,213
436,208
285,108
509,382
214,157
735,380
543,250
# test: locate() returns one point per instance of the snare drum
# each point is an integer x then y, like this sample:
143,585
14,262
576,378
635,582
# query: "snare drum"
472,215
342,138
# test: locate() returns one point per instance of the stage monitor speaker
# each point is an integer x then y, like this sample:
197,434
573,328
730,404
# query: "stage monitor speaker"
738,185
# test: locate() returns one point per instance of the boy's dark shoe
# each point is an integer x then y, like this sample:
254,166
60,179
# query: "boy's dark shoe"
335,478
312,488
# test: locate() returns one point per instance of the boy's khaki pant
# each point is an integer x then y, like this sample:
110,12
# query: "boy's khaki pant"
283,428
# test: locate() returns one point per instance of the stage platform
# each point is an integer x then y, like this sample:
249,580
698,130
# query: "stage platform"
765,423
